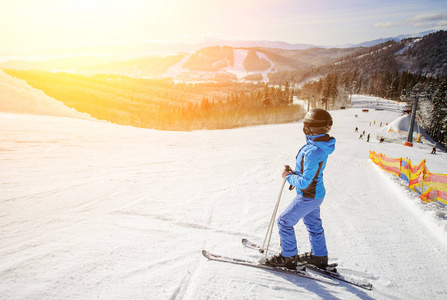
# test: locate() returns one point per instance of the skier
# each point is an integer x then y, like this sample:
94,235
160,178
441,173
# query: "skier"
367,138
308,180
433,151
356,129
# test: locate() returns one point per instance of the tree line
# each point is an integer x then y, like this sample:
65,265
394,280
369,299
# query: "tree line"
163,104
432,107
333,91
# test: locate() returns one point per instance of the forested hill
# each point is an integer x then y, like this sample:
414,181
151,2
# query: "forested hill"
425,56
429,56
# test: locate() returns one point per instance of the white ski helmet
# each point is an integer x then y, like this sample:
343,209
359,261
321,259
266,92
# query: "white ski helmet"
317,121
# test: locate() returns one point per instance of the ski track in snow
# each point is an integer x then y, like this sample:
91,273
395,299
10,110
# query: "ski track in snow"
238,69
96,210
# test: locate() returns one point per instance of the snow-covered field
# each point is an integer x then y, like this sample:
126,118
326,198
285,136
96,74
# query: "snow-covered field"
90,210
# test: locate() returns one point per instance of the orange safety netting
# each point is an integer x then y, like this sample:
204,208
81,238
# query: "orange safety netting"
431,186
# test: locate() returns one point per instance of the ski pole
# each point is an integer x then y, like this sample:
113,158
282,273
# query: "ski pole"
268,235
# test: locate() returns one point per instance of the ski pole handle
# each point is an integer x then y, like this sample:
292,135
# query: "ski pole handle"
289,169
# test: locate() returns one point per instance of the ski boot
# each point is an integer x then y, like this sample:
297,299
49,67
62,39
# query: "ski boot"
320,262
283,262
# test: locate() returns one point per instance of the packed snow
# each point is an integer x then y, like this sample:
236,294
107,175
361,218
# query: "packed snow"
397,131
91,210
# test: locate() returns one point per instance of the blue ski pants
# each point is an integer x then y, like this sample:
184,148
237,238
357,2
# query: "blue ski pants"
308,210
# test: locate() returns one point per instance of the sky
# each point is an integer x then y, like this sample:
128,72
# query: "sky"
40,24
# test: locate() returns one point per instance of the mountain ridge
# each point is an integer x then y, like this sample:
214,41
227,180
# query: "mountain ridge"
258,63
153,47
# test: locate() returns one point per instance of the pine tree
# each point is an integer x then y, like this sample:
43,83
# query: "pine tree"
438,115
330,88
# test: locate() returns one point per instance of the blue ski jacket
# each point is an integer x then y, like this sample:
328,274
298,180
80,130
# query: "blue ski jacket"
310,164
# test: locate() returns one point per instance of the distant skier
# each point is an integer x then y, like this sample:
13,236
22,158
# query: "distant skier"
356,129
367,138
433,151
308,180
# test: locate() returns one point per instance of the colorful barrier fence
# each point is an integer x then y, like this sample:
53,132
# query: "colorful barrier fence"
431,186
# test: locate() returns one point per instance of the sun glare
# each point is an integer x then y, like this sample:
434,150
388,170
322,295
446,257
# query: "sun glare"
78,23
86,5
81,22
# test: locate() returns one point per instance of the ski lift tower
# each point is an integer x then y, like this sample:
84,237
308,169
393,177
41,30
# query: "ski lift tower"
414,96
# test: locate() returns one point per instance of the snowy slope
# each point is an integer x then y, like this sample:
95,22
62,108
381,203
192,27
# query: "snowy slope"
16,96
95,210
178,72
398,131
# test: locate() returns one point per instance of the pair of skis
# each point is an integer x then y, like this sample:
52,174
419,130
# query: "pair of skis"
329,276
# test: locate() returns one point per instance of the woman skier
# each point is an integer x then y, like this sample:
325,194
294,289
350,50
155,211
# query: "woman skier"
308,181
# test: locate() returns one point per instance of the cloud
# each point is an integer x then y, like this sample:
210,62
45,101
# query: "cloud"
429,17
385,25
428,20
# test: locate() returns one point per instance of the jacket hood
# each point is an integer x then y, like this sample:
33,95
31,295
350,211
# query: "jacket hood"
323,141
